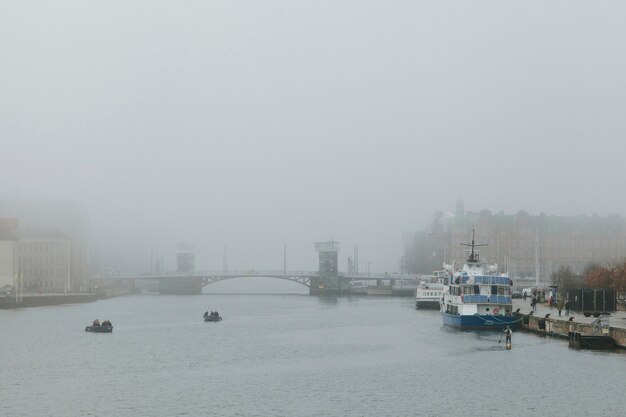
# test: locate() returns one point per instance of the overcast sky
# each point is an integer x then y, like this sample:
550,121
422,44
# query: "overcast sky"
257,123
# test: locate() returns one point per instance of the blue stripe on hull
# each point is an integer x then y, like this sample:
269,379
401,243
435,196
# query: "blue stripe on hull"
476,322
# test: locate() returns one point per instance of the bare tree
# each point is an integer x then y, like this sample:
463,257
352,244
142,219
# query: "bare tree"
566,279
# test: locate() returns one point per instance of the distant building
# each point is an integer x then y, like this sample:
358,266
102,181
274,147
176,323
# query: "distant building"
521,244
44,261
52,222
185,258
8,253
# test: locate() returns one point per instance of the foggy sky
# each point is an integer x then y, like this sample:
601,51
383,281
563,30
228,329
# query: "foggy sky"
253,124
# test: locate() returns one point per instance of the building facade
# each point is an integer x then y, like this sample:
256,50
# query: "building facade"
522,244
8,255
51,221
44,262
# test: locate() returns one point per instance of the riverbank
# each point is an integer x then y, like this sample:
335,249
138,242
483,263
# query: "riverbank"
546,321
39,300
53,299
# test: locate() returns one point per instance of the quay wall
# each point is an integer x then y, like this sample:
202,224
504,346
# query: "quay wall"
380,290
39,300
561,328
114,292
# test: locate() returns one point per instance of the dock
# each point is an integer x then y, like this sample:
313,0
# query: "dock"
546,321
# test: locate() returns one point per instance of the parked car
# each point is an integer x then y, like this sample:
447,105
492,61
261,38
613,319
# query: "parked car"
516,295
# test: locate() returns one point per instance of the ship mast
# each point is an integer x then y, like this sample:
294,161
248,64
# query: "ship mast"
473,256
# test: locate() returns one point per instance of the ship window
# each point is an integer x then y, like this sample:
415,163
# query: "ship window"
476,289
494,289
500,290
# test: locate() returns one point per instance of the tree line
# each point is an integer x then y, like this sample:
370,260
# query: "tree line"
611,276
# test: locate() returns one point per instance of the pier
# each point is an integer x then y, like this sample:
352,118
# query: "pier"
555,326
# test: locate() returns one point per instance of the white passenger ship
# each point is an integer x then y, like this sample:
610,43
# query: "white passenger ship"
477,298
429,294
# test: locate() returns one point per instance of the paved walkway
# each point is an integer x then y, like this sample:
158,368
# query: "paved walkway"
618,318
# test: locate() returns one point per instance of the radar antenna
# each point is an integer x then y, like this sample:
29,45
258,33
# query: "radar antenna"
473,256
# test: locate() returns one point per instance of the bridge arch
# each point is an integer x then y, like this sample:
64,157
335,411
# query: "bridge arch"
302,280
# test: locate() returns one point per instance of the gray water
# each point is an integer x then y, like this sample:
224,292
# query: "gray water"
288,355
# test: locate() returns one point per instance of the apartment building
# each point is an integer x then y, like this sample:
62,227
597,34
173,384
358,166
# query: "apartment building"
521,244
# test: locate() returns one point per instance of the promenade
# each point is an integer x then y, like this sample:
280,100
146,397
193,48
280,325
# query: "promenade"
560,326
618,318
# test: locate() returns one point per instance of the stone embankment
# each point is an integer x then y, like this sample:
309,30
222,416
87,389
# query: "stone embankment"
546,321
40,300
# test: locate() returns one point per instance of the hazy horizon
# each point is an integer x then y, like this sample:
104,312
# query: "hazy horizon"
255,125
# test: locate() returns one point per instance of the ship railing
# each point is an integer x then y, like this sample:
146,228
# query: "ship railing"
492,279
485,279
486,299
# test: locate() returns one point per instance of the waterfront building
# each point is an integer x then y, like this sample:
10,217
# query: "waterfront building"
8,242
55,223
44,261
522,244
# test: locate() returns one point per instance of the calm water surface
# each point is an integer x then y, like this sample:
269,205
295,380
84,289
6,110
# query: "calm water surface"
288,355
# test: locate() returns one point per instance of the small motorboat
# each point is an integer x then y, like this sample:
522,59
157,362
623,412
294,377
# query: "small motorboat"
214,316
99,329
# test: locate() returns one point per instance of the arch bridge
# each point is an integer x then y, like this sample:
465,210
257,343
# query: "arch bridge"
303,278
192,283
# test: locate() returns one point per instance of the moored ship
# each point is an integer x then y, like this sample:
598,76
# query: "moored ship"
428,295
476,297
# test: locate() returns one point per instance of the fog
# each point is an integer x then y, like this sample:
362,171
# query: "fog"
260,124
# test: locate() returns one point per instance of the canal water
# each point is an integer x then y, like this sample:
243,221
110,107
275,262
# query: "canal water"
287,354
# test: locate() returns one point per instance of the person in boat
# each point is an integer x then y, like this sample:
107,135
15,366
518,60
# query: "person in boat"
216,313
106,323
508,332
96,322
206,314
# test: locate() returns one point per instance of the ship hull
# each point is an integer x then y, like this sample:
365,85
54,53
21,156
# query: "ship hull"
427,304
478,322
